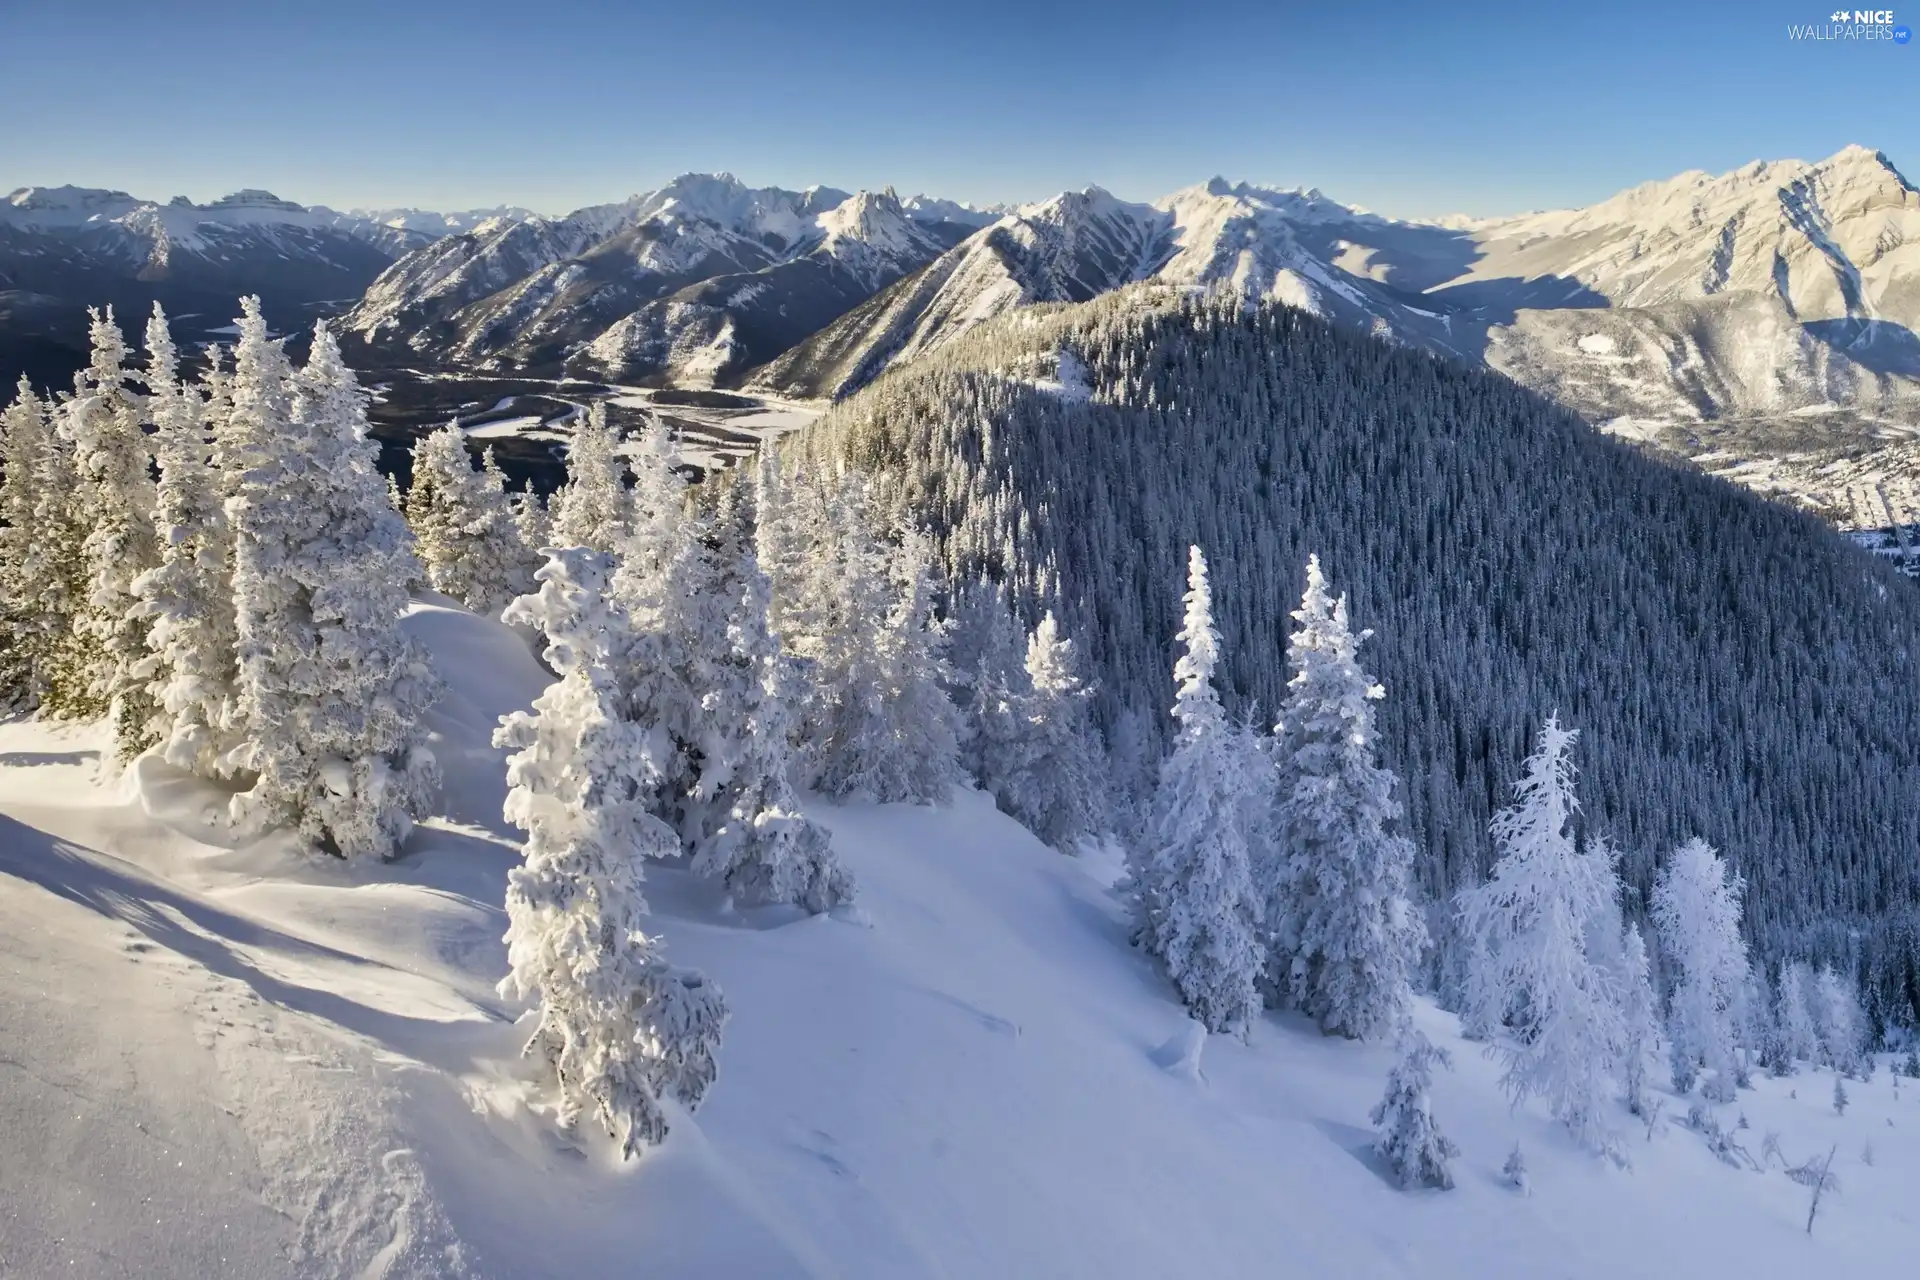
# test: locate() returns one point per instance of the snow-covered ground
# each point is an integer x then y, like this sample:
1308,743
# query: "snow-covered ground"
222,1059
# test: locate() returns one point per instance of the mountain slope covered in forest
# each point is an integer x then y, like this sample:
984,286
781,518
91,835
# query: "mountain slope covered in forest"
1736,670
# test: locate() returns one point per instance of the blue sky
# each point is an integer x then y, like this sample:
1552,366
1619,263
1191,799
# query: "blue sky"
1414,109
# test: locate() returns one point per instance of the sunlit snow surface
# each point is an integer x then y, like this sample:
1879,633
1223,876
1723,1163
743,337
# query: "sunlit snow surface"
229,1059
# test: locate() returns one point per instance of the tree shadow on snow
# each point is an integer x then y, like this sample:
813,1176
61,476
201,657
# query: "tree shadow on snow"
41,759
213,937
1358,1143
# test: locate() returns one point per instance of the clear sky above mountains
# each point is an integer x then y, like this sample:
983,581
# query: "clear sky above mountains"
1408,108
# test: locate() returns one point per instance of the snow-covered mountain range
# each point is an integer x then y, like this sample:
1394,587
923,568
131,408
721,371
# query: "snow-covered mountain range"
63,249
699,281
1761,322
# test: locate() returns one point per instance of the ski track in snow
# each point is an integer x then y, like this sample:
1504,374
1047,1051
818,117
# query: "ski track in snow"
220,1057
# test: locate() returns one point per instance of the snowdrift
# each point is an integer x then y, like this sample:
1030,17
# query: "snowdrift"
221,1059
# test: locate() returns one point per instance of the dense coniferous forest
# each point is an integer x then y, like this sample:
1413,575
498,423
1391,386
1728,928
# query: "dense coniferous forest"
1737,672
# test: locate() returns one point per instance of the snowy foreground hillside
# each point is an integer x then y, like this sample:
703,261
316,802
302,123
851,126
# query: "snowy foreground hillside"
220,1061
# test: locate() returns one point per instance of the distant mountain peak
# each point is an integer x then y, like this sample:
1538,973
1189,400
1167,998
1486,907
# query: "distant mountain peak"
254,198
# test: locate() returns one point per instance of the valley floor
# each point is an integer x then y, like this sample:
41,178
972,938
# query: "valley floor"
239,1061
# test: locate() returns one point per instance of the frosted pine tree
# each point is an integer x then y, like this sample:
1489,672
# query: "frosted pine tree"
1841,1022
40,565
331,690
115,502
1346,936
798,539
593,508
464,526
526,514
1046,772
987,655
187,599
1532,919
1696,907
1640,1018
620,1028
877,720
1794,1025
1196,889
829,599
757,841
920,757
669,586
1408,1139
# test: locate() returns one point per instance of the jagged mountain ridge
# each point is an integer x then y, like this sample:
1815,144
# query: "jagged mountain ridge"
698,281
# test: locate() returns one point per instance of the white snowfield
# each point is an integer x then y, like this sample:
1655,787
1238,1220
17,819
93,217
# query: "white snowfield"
242,1061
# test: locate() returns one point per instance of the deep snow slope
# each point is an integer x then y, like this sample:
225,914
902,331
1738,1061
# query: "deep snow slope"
220,1060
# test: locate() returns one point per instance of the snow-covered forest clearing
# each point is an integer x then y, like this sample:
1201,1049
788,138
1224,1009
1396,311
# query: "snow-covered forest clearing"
853,866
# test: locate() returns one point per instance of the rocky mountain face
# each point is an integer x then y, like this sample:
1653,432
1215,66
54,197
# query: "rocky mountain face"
694,283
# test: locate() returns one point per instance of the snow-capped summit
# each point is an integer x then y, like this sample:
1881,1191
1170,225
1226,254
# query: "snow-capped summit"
873,237
47,207
429,223
922,208
1297,247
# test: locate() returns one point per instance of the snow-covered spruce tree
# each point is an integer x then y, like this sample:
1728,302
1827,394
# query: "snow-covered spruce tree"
754,838
803,528
667,577
985,650
1197,909
530,519
1515,1171
1798,1034
1753,1029
187,599
593,509
1038,756
829,604
1640,1018
526,514
619,1026
115,502
877,718
1533,917
1346,937
668,586
1842,1025
1696,908
463,525
1408,1139
925,726
40,565
331,690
